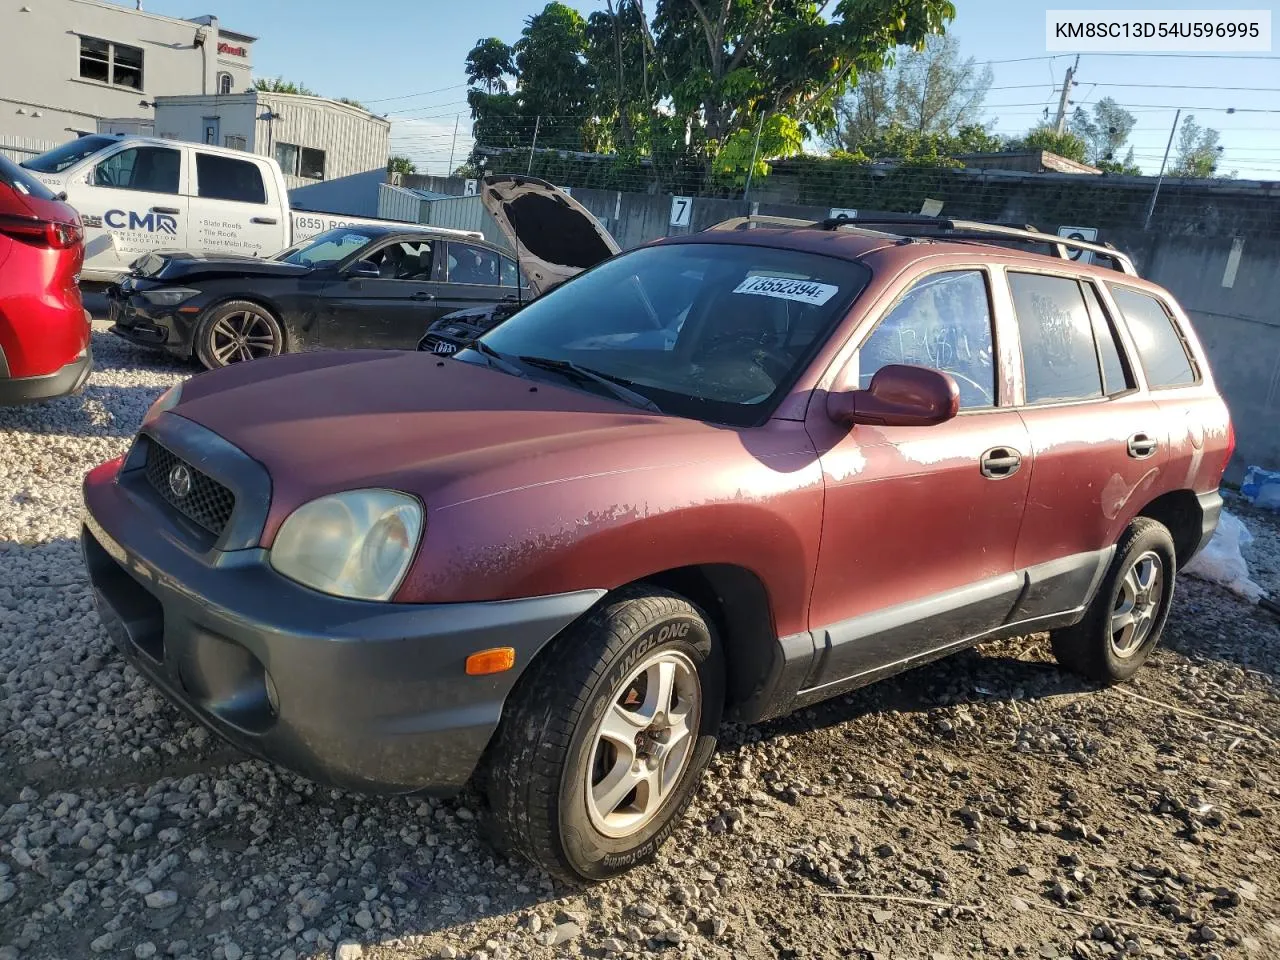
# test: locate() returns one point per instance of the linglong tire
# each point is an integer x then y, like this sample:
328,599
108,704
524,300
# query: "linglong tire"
1124,623
565,789
237,331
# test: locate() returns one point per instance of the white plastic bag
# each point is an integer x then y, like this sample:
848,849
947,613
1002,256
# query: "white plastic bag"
1221,562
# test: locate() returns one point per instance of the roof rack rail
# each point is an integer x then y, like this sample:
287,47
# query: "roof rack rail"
974,230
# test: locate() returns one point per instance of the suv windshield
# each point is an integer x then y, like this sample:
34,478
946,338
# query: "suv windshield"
709,331
325,248
67,155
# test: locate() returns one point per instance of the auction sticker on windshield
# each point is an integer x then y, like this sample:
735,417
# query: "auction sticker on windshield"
801,291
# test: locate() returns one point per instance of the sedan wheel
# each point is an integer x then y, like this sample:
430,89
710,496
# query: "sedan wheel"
236,332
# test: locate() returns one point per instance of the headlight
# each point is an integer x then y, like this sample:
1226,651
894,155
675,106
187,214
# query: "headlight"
356,544
166,401
168,297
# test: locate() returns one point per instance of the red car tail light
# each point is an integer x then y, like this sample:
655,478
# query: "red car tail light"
49,233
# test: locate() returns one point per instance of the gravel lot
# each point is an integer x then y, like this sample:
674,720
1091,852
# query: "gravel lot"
1046,818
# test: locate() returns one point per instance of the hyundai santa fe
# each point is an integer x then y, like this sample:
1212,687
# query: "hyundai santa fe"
723,475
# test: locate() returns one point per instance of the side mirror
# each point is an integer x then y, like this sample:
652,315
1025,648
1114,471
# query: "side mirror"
900,395
363,269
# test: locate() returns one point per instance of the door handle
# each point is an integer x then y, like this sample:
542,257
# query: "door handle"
423,295
173,210
271,221
1000,462
1142,446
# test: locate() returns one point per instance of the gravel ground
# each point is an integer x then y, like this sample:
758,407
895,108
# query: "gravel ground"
982,806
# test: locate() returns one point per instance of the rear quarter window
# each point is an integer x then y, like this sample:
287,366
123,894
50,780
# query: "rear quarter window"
1162,351
1059,355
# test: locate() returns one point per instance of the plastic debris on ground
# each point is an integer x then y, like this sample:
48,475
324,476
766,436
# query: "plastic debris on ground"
1261,487
1221,562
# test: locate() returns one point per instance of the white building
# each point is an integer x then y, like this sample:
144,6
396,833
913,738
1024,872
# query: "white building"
72,67
312,138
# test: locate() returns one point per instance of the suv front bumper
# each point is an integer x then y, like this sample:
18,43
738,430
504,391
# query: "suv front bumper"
362,695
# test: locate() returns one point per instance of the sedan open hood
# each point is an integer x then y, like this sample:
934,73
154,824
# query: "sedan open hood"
554,235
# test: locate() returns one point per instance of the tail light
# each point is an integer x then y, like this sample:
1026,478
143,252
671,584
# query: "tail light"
1231,440
49,233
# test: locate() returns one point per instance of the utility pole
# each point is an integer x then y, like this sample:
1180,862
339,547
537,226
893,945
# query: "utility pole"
533,146
456,118
1151,207
1060,124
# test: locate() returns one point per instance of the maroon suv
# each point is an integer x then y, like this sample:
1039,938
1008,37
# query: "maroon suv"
732,473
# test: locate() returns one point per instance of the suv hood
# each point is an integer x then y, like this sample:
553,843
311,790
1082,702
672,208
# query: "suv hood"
329,421
194,266
555,236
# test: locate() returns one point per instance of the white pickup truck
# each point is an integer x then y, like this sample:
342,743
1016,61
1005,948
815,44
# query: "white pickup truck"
138,195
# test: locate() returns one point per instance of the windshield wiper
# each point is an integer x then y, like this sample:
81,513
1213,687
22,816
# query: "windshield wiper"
495,359
615,385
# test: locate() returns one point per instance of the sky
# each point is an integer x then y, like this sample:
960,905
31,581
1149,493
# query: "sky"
405,58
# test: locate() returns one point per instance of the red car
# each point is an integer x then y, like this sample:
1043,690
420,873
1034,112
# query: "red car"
44,329
732,473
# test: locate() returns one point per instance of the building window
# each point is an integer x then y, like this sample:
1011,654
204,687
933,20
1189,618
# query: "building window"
224,83
106,62
311,164
299,161
235,143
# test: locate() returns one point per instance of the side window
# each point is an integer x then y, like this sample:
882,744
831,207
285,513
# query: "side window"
405,260
944,322
1059,357
222,178
509,273
1161,350
1115,372
468,264
154,169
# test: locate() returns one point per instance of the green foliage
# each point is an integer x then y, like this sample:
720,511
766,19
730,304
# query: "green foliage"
488,62
281,85
398,164
780,136
897,143
1198,150
1065,144
1126,168
1104,131
353,103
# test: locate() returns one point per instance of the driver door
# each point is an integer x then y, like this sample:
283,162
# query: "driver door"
388,312
919,528
133,202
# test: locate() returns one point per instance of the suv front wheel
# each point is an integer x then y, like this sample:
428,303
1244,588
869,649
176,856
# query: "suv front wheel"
1123,624
603,743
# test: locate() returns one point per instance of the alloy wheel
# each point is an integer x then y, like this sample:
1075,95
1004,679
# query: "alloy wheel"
1137,605
243,335
642,744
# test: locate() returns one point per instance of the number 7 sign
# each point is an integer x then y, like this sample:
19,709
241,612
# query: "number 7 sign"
681,208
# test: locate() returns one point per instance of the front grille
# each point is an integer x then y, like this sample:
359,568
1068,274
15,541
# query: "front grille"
202,499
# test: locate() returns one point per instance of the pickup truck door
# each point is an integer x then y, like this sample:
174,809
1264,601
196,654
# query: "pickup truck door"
234,207
391,311
132,201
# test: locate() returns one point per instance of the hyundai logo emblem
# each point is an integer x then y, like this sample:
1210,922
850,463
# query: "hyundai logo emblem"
180,480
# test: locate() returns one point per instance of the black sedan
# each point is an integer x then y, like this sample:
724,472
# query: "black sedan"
372,286
365,286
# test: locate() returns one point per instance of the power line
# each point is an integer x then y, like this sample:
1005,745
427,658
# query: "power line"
407,96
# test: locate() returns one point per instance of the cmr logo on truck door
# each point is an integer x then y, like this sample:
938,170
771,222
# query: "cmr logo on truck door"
132,220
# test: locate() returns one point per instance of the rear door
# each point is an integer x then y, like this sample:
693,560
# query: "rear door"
475,276
1099,442
233,207
921,523
391,311
132,201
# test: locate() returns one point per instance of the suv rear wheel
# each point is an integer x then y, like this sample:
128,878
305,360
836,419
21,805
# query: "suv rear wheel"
603,743
1128,614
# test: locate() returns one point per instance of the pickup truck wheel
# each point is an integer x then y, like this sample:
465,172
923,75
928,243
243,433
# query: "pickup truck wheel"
1128,614
237,331
606,737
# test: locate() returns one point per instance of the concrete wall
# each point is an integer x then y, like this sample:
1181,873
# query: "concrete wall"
42,94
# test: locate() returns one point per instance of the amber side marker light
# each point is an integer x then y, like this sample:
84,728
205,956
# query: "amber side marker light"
493,660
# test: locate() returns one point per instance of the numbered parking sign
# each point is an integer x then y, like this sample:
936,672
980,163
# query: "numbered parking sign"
471,188
1089,234
681,208
843,213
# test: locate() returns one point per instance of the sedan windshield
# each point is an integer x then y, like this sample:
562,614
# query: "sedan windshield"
67,155
325,249
714,332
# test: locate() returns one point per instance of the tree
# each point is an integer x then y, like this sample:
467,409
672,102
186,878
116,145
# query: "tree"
1045,137
1127,168
1105,131
488,62
353,103
401,165
281,85
1198,150
554,79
